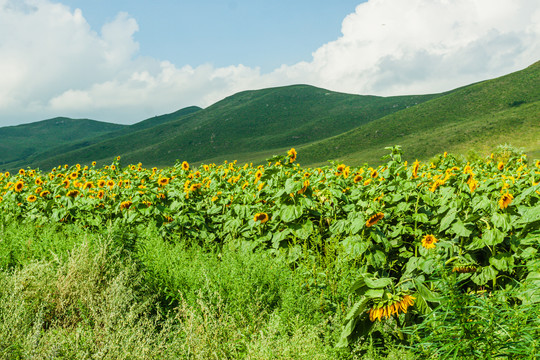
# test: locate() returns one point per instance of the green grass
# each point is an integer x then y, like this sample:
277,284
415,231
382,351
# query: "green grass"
69,293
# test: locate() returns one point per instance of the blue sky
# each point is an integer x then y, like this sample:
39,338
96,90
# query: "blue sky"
124,61
256,33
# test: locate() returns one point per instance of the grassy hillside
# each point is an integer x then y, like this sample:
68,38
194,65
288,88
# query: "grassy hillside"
50,138
19,142
253,125
474,118
244,123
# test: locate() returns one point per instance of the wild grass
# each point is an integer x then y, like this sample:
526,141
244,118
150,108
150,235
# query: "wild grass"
68,293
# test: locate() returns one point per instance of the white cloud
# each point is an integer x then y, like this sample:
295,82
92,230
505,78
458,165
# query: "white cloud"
391,47
54,64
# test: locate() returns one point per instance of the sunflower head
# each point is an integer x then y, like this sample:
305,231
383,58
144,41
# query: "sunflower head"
31,198
262,217
429,241
185,166
163,181
500,166
505,200
72,193
18,186
125,205
373,219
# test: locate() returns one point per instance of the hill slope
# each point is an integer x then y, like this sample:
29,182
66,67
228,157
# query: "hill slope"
476,117
49,138
249,121
21,141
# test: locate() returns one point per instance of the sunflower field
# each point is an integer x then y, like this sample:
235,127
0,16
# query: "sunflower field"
406,228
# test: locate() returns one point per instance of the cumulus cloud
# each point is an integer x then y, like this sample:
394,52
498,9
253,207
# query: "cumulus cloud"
391,47
54,64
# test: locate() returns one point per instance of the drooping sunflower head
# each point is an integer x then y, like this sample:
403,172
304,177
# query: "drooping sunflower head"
72,193
262,217
374,219
505,200
429,241
292,154
125,205
416,166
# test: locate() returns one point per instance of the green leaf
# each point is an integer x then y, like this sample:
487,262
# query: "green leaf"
290,213
501,221
292,186
530,215
373,283
486,274
448,219
356,225
502,262
492,237
355,324
460,230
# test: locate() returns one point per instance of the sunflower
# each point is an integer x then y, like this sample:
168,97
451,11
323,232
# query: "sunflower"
373,219
110,183
429,241
6,174
38,181
340,169
505,200
416,166
358,178
44,193
74,175
292,155
163,181
101,194
88,185
93,163
304,188
22,172
125,205
258,176
38,190
381,311
185,166
262,217
31,198
72,193
18,186
500,166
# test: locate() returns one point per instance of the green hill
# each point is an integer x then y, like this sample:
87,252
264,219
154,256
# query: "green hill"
20,142
253,125
49,138
247,122
473,118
